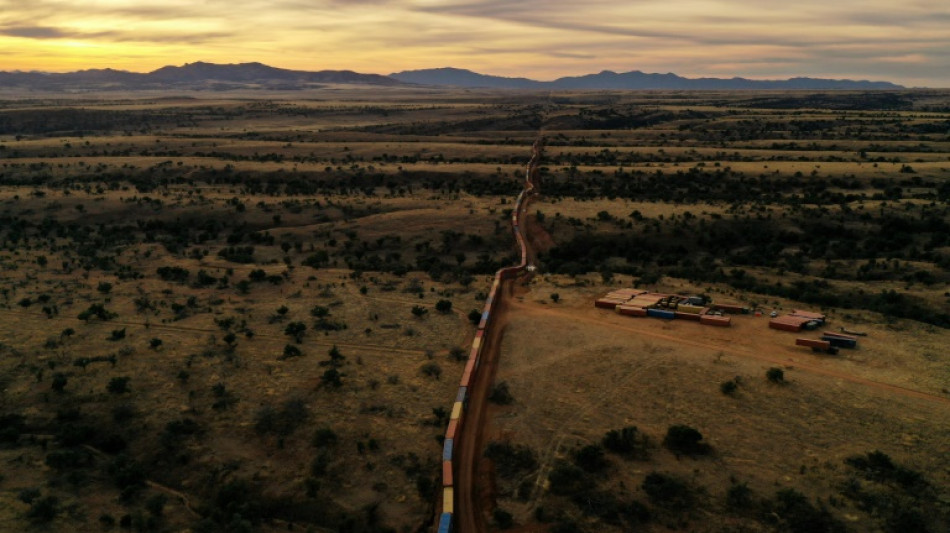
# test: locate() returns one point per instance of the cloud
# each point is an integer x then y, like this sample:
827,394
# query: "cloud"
544,38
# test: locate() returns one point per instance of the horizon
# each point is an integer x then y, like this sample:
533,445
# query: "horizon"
876,40
593,71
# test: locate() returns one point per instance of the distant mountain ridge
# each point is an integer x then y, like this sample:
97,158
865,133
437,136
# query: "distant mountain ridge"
634,80
193,75
211,76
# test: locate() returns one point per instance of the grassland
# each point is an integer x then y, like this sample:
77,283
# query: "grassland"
183,241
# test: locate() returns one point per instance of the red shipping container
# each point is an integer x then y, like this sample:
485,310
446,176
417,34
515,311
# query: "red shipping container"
452,429
721,321
447,474
813,343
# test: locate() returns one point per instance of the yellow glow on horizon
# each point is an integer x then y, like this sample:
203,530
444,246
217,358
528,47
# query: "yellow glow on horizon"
543,39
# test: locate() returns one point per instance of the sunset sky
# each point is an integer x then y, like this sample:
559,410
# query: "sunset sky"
906,42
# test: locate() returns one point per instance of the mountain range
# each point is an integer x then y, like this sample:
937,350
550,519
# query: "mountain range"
212,76
635,80
191,75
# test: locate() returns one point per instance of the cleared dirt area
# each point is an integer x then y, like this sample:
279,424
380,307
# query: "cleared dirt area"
576,372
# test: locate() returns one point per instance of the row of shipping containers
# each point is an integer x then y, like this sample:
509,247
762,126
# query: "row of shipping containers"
633,302
457,418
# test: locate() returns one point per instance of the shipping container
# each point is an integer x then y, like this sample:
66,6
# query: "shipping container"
467,374
462,395
445,523
661,313
813,343
839,342
447,473
447,446
687,316
629,310
788,323
451,430
448,500
456,411
840,336
474,353
687,308
729,308
808,314
721,321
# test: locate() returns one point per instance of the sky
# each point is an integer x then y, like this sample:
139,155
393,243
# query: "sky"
906,42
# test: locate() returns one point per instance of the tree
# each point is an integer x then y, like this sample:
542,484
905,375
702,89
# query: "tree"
332,377
728,387
418,311
117,334
555,297
681,439
296,330
775,375
155,343
629,442
59,382
474,316
119,385
291,351
443,306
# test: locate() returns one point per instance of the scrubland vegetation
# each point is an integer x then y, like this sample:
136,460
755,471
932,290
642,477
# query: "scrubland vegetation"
233,315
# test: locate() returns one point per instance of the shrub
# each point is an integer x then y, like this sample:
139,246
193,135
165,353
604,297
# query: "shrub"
685,440
628,442
97,311
567,479
117,334
418,311
290,351
500,394
432,370
119,385
332,377
59,382
443,306
474,316
503,519
591,458
667,492
510,459
775,375
728,387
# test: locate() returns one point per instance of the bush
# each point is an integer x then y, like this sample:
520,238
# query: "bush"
591,458
685,440
43,510
59,382
503,519
474,316
728,387
119,385
628,442
510,459
775,375
500,394
567,479
443,306
667,492
432,370
332,377
418,311
800,516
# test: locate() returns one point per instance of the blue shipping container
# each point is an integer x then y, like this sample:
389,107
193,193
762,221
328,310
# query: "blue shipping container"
447,450
463,391
661,313
445,523
840,343
485,317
